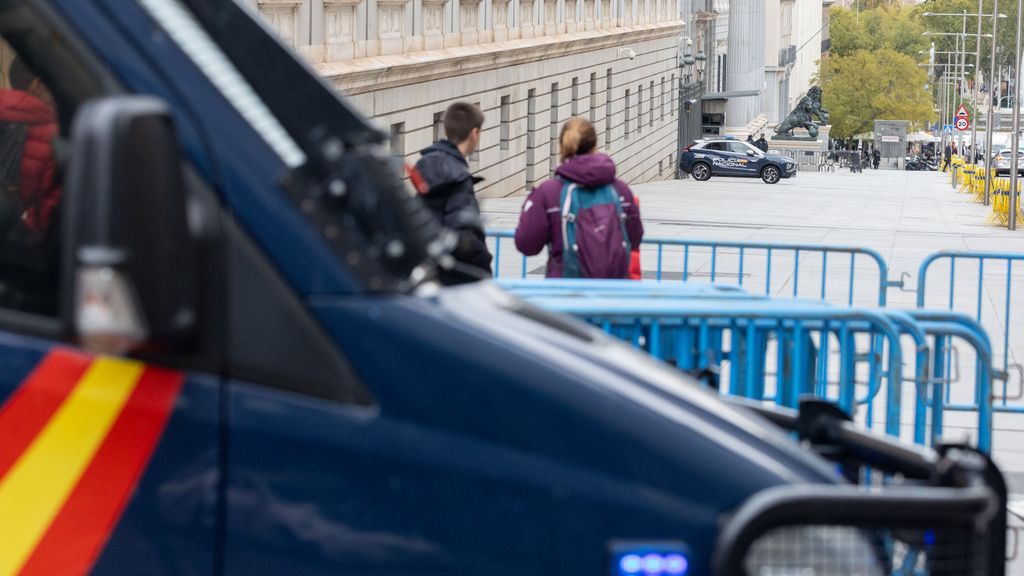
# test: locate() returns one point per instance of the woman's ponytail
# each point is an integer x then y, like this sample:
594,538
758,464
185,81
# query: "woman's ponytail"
577,137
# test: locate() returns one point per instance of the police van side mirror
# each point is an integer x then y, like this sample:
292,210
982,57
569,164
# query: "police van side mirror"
133,263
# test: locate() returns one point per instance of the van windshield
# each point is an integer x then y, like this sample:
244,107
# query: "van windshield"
339,166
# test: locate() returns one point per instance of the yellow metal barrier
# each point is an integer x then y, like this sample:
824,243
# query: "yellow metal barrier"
1001,202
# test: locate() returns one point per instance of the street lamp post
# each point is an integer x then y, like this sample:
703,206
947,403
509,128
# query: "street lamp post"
991,96
977,59
1015,137
947,83
974,91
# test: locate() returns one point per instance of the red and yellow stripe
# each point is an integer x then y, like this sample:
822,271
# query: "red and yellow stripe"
74,441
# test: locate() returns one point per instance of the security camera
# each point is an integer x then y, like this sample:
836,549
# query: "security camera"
628,53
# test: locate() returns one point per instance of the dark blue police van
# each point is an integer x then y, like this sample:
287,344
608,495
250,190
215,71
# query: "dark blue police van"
730,157
228,354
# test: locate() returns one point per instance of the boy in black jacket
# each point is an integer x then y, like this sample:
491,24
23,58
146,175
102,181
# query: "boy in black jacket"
450,195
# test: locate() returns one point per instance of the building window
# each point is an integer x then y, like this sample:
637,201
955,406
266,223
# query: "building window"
663,100
593,97
554,126
720,73
672,90
506,118
575,96
629,110
531,137
640,109
438,126
650,106
608,110
725,70
397,141
474,158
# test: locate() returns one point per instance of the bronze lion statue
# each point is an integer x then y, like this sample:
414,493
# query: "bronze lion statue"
803,115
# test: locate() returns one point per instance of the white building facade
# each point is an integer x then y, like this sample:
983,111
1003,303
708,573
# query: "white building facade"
529,64
763,55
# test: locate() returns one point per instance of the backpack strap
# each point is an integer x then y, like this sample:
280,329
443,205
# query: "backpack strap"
568,196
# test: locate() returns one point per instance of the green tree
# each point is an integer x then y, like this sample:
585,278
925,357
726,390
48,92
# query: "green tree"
878,84
896,27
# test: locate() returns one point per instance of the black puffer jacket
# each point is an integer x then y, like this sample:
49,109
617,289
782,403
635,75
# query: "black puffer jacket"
452,200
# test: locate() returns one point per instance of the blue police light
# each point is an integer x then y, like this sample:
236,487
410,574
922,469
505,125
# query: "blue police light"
676,564
630,564
650,559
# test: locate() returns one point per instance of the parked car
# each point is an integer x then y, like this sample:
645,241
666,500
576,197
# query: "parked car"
1001,162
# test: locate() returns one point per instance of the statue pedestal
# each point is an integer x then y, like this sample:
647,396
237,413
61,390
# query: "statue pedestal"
801,141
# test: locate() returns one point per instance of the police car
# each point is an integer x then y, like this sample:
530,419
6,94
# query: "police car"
731,157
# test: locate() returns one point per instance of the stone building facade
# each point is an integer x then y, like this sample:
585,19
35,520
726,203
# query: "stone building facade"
761,57
528,64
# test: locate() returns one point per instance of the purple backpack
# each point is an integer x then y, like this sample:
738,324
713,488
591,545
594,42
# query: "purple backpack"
593,233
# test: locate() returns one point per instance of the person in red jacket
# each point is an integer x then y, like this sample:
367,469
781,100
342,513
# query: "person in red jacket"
30,104
30,194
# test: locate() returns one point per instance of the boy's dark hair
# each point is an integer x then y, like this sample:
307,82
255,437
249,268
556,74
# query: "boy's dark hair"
459,120
20,75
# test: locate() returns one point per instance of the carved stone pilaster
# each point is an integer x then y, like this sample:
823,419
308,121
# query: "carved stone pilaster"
282,16
469,18
340,17
526,19
433,24
550,17
499,18
391,25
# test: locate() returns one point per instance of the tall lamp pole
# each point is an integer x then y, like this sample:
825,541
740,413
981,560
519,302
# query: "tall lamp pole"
977,70
991,96
1015,137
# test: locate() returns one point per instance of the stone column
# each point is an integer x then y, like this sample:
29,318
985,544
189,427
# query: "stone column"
745,68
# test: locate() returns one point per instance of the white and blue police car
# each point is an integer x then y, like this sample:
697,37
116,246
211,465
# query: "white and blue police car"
730,157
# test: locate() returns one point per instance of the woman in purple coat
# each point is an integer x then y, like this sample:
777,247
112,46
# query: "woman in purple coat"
540,222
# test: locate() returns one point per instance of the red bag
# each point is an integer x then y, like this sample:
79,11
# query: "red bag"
635,273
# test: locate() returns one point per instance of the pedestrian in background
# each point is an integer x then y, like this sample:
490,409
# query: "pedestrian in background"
762,144
450,194
585,216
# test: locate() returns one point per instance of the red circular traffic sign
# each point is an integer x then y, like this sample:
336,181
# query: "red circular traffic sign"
962,123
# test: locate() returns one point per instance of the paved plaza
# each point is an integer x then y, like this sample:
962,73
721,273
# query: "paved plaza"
905,216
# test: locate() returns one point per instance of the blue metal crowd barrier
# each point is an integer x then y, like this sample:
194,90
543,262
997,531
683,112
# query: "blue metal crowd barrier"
969,270
683,252
699,327
941,333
